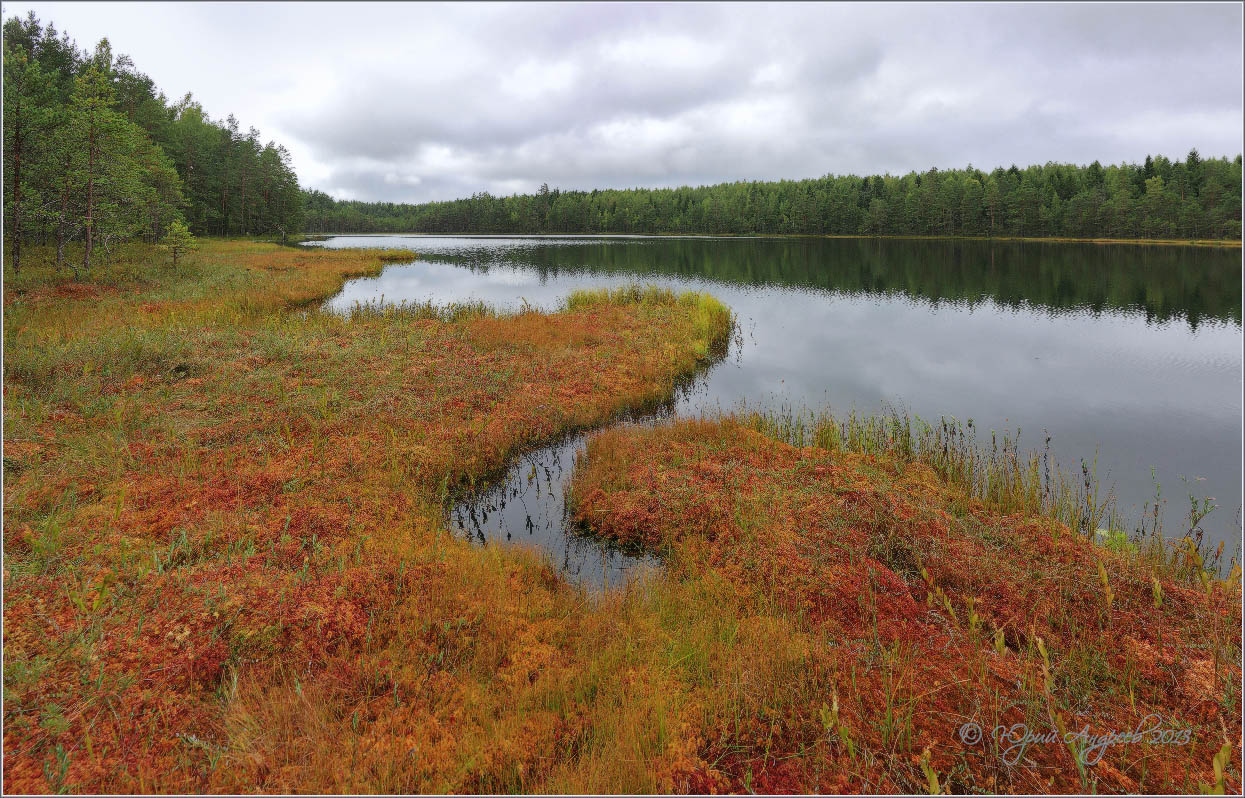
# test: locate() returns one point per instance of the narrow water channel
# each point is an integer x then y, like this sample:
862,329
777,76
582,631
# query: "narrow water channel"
528,504
528,507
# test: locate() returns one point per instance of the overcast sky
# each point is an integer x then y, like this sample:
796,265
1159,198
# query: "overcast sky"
417,102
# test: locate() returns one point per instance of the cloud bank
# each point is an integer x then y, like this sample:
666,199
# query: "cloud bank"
420,102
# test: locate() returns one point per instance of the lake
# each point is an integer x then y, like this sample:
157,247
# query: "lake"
1130,352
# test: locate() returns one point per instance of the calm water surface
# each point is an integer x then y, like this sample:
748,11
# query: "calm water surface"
1131,351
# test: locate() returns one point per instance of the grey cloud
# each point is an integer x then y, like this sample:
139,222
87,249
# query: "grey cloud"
415,102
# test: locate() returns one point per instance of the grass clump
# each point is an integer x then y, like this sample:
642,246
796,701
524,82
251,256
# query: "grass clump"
418,311
711,320
1005,477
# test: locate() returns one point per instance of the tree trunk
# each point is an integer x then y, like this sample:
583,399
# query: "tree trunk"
61,222
18,139
16,236
90,200
245,215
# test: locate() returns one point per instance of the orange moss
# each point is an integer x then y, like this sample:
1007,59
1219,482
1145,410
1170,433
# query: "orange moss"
225,567
892,603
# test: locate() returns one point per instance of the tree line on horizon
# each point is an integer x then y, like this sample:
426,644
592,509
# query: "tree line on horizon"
1190,198
95,153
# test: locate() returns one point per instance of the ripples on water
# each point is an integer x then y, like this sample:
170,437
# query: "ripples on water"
1132,351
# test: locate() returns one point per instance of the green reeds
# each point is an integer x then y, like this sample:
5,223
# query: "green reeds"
1010,479
414,311
1001,474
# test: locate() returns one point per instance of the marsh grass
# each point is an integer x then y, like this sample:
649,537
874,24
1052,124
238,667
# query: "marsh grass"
1008,478
225,568
712,321
417,311
908,597
233,576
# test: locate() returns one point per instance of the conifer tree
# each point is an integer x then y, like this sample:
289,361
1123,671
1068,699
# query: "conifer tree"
27,97
178,241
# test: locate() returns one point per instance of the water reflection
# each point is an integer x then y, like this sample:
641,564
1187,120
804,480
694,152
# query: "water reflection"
528,506
1161,283
1130,352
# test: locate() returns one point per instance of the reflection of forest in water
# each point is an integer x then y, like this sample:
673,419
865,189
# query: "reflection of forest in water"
1128,354
1193,284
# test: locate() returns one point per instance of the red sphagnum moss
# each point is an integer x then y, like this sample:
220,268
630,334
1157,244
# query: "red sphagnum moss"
843,614
225,566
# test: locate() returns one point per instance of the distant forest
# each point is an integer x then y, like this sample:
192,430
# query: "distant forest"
1192,198
94,152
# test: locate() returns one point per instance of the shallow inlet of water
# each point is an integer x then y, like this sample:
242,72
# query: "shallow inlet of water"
528,507
1130,352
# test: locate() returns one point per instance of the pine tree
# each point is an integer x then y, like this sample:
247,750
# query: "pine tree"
178,241
124,184
27,100
94,152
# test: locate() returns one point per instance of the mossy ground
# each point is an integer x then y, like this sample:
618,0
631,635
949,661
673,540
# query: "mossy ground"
226,570
225,567
833,619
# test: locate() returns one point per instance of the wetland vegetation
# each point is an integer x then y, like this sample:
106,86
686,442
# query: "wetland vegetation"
845,598
235,473
225,568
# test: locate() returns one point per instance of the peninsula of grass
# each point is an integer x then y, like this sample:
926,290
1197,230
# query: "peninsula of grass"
875,606
226,568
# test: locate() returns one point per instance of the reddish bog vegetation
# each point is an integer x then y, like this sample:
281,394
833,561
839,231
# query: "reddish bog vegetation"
852,623
225,568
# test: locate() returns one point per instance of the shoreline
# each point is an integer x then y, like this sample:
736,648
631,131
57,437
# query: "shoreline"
278,501
1164,242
